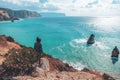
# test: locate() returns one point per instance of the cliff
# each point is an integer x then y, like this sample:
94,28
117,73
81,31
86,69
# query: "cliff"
51,68
8,14
4,15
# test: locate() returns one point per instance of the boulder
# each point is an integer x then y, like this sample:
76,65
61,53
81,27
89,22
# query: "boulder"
15,18
91,39
51,64
91,72
45,64
115,55
107,77
10,39
115,52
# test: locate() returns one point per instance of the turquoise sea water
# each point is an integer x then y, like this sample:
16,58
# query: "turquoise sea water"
65,38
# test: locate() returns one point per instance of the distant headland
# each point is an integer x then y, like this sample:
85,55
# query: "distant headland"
9,14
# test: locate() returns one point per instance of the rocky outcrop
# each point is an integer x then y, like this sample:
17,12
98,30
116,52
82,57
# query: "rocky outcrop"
56,75
4,15
115,52
115,55
14,18
51,68
6,44
91,39
107,77
52,64
9,14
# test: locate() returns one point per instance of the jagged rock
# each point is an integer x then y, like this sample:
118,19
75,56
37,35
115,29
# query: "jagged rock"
45,64
56,64
13,19
107,77
115,52
115,55
9,38
91,39
85,69
91,72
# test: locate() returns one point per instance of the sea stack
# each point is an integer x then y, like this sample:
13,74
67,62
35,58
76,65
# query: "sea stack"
115,55
91,39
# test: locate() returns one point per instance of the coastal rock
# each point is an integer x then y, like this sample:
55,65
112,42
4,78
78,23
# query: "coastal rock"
10,39
115,52
107,77
6,44
56,64
91,39
115,55
13,19
45,64
91,72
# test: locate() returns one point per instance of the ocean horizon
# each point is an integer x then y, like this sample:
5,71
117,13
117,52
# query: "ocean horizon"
65,38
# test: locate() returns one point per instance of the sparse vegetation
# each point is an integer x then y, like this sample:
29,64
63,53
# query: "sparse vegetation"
20,62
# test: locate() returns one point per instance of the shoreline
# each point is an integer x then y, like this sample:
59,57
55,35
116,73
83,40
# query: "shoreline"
54,63
20,19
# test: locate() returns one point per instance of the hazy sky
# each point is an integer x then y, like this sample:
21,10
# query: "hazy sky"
69,7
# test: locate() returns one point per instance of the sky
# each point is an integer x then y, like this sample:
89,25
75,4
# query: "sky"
69,7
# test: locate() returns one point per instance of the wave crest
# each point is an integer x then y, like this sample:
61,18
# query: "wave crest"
82,42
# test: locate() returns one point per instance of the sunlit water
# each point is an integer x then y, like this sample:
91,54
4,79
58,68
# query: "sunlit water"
65,38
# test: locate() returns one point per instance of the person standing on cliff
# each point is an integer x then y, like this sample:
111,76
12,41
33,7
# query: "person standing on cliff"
38,48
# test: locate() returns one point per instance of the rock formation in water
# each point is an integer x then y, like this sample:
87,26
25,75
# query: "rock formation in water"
9,14
51,68
115,52
115,55
91,39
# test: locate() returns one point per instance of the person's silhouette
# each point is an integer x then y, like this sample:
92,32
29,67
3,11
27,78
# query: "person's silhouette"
38,48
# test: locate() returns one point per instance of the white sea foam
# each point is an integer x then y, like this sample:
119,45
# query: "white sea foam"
60,48
78,42
100,45
76,65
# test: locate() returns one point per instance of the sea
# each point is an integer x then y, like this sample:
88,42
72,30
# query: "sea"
65,38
